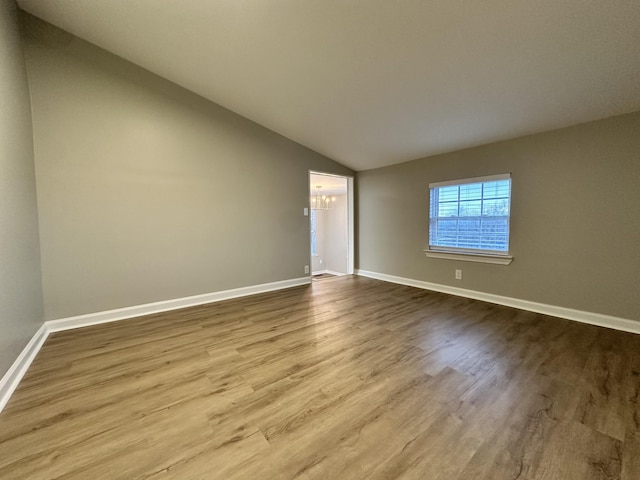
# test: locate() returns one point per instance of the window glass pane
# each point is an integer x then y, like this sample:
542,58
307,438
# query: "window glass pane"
497,207
448,194
495,233
448,209
496,189
469,233
445,232
470,208
471,191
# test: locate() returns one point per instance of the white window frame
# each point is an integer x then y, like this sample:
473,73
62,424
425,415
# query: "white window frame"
470,254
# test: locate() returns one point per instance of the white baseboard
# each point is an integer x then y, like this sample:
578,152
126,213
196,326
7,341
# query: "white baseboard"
12,378
167,305
591,318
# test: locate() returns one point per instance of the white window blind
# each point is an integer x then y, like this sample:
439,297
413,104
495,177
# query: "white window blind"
470,215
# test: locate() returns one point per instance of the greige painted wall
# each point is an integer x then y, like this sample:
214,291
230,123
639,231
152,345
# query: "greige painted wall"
148,192
575,219
20,286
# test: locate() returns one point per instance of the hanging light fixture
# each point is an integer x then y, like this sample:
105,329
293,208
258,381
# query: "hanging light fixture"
321,202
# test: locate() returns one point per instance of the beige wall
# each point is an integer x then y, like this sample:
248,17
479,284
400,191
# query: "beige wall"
575,231
20,286
147,192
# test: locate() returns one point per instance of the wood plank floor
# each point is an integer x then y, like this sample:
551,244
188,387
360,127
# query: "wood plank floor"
348,378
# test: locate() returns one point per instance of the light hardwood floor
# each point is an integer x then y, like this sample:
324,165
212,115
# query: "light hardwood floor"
348,378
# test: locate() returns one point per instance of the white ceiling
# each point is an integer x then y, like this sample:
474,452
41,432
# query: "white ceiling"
378,82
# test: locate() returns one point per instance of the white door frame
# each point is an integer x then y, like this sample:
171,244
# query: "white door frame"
350,217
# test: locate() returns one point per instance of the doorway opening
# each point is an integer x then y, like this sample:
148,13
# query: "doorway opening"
331,225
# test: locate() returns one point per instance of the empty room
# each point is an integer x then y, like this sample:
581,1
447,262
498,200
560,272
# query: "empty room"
319,239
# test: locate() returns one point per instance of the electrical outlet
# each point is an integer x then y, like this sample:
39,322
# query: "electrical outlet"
306,212
306,269
458,274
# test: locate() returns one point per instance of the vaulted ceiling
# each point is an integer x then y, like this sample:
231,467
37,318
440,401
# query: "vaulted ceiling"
376,82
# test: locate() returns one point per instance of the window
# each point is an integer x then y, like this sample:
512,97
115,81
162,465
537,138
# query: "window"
470,218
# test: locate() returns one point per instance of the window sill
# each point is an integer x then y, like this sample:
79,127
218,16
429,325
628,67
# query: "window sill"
471,257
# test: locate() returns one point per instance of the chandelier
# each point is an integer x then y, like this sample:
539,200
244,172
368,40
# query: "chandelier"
321,202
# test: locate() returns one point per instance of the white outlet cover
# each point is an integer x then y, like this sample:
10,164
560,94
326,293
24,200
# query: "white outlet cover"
306,212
